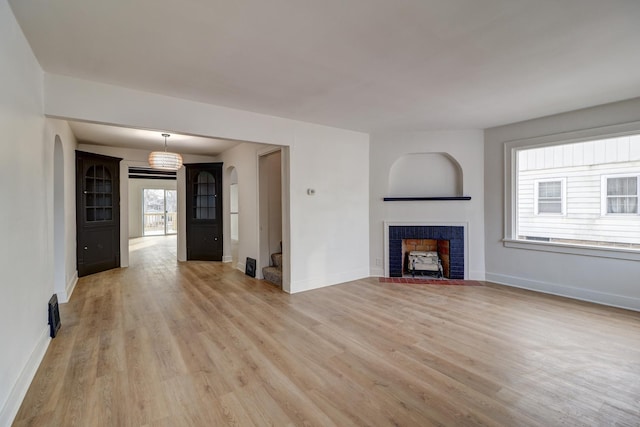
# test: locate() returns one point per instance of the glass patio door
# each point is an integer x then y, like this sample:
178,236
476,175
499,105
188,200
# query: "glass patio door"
159,211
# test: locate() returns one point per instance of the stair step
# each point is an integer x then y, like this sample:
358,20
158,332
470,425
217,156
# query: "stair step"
276,259
273,275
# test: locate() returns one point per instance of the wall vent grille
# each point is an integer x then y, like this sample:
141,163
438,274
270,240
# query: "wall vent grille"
54,316
150,173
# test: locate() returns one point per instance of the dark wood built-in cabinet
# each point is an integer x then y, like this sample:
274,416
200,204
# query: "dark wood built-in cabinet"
97,212
204,211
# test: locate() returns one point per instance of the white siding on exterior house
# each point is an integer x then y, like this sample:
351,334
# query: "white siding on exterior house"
611,150
582,167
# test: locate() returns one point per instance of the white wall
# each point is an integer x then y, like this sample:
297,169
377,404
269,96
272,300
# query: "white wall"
244,158
605,280
327,231
425,175
26,186
68,262
270,205
466,147
136,187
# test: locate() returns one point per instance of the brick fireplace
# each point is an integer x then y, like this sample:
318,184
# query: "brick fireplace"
447,240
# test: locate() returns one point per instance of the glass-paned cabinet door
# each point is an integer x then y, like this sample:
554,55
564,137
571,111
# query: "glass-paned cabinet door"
98,192
204,196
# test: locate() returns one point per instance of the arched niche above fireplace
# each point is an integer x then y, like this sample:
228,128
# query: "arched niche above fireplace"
425,176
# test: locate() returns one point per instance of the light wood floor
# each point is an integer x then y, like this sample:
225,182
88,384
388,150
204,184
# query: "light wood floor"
199,344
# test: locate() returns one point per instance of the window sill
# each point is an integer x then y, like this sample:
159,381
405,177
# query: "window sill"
414,199
600,252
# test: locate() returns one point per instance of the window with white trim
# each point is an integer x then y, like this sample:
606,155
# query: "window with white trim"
580,195
621,194
549,196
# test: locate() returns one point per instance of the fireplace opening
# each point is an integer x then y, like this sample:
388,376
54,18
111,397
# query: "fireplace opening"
446,242
426,257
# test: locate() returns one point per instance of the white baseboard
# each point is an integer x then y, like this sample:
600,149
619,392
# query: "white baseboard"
227,258
330,280
620,301
240,266
71,285
19,390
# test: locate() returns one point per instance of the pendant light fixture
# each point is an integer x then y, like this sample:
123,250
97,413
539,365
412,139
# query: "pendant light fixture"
165,159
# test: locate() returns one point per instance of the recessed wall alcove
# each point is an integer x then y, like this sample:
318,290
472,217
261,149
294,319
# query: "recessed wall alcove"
423,176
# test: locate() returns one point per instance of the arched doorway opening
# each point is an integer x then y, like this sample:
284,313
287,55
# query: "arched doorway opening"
59,273
234,214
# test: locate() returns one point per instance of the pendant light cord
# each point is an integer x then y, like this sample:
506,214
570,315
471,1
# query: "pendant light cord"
166,135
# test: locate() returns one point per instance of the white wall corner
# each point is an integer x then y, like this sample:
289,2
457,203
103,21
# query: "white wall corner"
589,295
376,272
227,258
20,388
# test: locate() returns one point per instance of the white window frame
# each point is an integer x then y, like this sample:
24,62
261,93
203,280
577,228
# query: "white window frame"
511,149
563,196
605,196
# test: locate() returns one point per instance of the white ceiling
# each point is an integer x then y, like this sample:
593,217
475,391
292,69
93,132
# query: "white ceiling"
369,65
114,136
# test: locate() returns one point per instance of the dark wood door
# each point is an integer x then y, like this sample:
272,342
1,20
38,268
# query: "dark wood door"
204,211
97,212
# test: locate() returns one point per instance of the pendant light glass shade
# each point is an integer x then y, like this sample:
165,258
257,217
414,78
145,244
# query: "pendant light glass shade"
164,159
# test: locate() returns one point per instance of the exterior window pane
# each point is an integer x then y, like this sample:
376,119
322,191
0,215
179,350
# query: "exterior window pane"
622,195
550,197
576,193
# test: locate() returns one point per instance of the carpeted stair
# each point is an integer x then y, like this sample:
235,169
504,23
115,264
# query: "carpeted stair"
274,273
